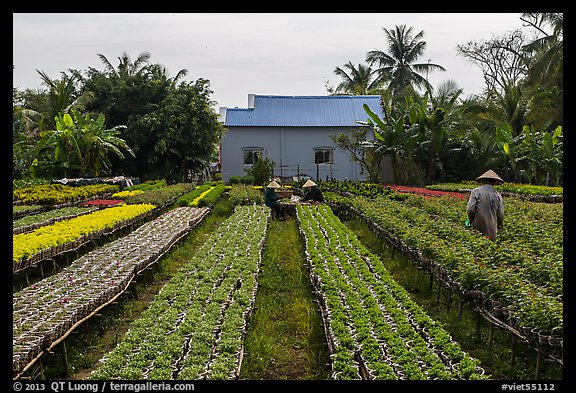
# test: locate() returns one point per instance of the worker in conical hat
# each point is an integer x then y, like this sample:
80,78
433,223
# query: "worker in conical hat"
313,194
271,198
485,207
489,177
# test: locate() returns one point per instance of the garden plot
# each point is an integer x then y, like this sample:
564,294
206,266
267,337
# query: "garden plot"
374,329
35,221
516,282
63,236
194,328
48,310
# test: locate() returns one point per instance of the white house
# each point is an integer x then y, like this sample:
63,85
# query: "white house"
293,132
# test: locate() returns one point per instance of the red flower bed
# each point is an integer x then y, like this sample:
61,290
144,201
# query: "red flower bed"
102,202
426,192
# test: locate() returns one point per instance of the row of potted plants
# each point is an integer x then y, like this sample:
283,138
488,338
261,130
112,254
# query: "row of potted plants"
522,269
44,311
206,194
53,194
374,329
48,241
529,192
161,196
195,326
31,222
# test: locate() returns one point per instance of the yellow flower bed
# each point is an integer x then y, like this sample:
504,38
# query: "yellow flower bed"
195,201
125,194
62,232
52,194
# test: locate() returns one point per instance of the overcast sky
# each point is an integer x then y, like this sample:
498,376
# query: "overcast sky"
245,53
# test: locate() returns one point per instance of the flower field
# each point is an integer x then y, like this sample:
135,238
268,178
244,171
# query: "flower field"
194,328
34,221
373,328
46,310
517,280
48,241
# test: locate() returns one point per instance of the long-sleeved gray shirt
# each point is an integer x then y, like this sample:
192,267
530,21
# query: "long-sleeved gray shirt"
486,210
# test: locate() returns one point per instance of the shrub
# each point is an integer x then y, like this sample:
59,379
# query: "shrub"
234,180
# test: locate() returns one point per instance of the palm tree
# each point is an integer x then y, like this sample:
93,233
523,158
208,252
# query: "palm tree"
545,73
125,66
61,97
359,81
399,67
549,48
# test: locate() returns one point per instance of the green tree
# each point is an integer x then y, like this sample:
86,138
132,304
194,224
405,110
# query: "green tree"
357,81
432,116
126,67
78,146
541,154
61,95
399,67
545,73
547,48
58,151
394,137
97,143
356,142
261,171
508,145
131,94
184,131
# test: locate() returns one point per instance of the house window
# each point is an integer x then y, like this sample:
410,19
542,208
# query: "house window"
252,154
323,155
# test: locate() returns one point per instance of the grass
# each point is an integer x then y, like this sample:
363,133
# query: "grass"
285,339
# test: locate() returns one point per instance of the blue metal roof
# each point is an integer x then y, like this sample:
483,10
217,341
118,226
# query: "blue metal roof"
303,111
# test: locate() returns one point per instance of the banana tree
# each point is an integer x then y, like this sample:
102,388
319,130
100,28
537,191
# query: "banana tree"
543,152
432,115
79,145
98,142
58,151
507,145
392,137
532,152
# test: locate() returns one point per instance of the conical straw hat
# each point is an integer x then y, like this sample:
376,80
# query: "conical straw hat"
309,183
273,184
489,174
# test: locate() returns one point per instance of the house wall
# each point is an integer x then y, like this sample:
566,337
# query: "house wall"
291,147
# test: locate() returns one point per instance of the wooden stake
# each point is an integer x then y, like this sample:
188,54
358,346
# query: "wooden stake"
65,352
538,364
513,359
478,321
